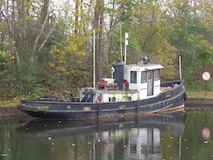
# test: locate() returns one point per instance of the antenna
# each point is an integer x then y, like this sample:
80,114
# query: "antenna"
121,42
126,43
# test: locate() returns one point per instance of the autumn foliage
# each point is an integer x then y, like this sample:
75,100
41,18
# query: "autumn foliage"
47,46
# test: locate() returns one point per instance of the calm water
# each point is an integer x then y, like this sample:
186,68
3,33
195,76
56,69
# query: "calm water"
179,136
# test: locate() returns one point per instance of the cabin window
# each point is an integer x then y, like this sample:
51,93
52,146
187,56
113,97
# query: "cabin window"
150,75
157,74
143,76
109,99
133,78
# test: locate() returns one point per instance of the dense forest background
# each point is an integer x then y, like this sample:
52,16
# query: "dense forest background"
47,45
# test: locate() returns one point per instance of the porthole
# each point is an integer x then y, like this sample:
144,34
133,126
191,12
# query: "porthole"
113,99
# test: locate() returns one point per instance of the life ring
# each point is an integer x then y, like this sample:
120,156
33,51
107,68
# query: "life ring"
99,98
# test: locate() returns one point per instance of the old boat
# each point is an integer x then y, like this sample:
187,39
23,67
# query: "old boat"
133,90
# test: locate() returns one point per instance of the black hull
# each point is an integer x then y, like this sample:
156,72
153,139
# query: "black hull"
168,101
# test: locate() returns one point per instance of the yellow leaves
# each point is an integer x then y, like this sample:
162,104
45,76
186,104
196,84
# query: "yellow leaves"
204,48
61,68
72,48
58,67
61,61
81,53
205,43
28,5
75,48
67,53
5,54
73,45
52,65
55,49
168,61
5,43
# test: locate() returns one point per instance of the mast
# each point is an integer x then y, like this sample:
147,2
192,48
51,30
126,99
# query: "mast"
121,43
94,60
125,47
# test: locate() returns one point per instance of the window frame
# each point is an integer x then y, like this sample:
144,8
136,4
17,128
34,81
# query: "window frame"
133,76
157,74
143,76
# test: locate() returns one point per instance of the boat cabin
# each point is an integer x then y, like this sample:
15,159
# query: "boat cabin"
128,83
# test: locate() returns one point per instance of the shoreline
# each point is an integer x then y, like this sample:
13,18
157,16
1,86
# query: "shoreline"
198,102
11,113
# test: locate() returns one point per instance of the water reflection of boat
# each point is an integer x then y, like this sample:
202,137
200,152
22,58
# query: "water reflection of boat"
172,123
144,137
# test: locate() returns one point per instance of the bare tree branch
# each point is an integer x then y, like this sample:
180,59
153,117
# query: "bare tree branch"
42,29
11,37
49,34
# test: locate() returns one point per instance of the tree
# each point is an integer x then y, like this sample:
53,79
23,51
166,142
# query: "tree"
191,36
49,45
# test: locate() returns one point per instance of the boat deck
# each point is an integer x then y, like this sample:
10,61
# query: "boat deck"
165,88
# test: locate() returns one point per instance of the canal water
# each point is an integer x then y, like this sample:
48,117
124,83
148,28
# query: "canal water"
178,136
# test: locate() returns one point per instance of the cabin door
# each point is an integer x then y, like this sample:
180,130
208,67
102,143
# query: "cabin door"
150,83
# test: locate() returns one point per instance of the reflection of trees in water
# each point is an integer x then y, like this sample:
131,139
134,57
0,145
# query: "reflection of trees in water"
152,137
194,146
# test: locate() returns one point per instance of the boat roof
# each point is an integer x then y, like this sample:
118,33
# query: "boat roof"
146,66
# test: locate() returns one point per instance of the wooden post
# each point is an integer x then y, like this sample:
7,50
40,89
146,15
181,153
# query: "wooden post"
180,68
